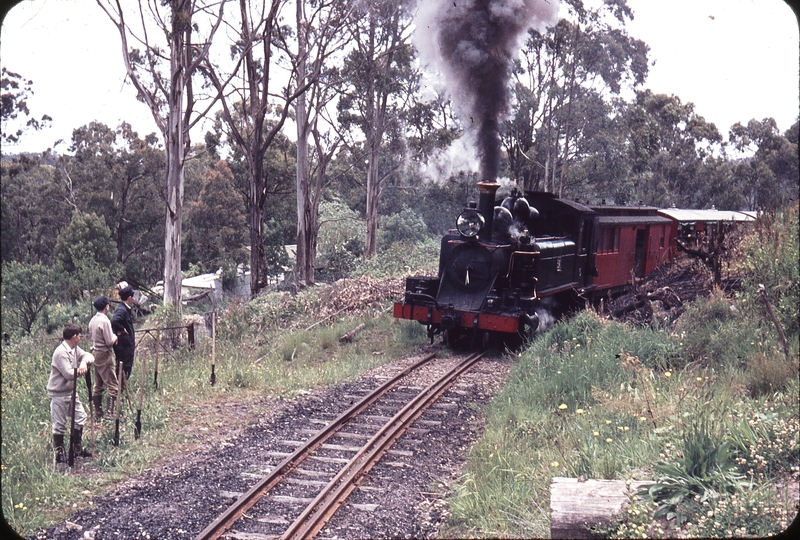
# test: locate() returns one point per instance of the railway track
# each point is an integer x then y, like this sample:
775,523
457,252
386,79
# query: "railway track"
297,497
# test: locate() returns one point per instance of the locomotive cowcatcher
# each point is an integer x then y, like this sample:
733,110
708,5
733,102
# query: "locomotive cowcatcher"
509,269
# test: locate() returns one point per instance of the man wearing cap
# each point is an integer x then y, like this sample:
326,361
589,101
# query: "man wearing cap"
122,325
103,341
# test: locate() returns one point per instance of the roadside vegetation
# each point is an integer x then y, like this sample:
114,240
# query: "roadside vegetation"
707,410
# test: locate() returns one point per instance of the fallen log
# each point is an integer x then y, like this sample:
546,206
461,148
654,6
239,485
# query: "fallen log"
349,336
578,504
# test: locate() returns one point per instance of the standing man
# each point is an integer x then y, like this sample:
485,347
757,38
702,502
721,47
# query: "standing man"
122,325
105,376
66,358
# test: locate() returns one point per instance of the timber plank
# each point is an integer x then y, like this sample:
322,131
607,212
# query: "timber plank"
577,504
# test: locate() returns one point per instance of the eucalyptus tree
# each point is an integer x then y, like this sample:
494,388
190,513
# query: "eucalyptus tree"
318,37
257,102
163,73
216,229
565,79
668,145
771,168
380,79
87,254
14,107
118,175
35,209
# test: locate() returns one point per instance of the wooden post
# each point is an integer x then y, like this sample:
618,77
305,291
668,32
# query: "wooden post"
158,350
775,321
190,332
577,504
213,346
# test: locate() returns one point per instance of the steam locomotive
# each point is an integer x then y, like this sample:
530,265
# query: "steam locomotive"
510,269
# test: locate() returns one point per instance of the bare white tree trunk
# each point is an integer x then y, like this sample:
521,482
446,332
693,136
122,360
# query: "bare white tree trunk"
177,94
303,274
181,16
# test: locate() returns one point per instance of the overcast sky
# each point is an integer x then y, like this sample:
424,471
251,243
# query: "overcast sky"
734,59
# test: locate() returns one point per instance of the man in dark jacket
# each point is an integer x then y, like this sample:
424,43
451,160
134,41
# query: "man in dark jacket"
122,325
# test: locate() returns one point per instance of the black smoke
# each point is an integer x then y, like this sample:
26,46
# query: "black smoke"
474,43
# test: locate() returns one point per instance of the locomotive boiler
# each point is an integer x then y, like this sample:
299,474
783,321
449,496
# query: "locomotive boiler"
512,268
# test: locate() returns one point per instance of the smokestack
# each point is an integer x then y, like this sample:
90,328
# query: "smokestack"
486,207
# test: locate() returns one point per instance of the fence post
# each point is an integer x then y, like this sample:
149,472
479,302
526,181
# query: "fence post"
190,330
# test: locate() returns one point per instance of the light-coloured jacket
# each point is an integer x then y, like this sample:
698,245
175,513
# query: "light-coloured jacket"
100,332
62,369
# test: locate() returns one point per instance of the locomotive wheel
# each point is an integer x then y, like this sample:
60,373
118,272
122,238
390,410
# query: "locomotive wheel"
450,337
486,340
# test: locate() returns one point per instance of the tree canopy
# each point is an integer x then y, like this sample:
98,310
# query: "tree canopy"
371,134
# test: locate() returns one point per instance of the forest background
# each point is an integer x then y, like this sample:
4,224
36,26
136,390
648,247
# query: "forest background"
377,157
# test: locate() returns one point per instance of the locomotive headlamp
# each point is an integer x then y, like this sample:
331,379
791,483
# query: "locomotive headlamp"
470,223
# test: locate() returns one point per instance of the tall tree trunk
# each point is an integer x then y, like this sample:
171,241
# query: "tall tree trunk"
375,111
373,197
255,147
568,121
181,19
184,58
258,254
304,271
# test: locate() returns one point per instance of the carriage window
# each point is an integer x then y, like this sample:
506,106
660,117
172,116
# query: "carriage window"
663,235
609,240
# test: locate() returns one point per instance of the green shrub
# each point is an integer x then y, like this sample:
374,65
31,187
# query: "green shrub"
401,260
27,290
340,241
405,226
716,333
705,470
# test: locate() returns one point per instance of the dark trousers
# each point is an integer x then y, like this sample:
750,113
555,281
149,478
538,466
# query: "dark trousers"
127,366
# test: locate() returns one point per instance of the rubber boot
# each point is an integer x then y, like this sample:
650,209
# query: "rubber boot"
58,445
97,401
77,441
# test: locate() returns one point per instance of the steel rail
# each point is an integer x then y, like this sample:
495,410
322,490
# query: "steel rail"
248,499
320,510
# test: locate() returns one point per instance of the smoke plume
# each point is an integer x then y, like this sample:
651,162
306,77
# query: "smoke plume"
473,43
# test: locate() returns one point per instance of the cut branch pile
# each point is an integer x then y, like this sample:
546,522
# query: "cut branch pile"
358,294
665,292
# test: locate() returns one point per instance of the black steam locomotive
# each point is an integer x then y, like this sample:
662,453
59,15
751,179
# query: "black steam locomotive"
511,268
